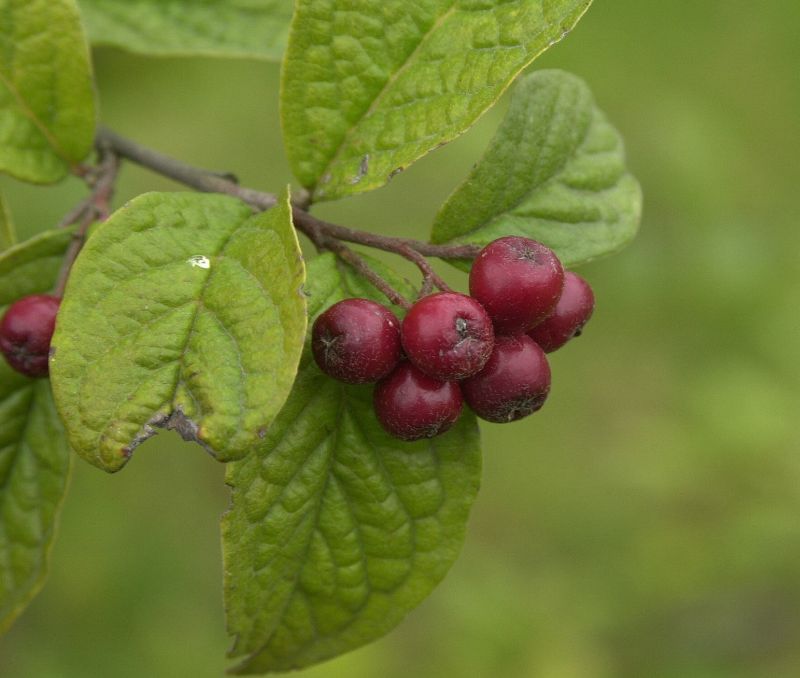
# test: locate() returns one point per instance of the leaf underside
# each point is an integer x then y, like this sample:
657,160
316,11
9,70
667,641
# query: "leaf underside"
47,114
555,172
336,530
34,456
254,29
369,87
183,311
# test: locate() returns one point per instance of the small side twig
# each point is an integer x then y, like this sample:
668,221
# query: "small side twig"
75,214
351,257
95,207
359,264
430,278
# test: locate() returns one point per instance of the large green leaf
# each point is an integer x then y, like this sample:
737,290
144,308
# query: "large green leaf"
34,456
47,115
555,171
184,311
370,86
336,530
224,28
8,235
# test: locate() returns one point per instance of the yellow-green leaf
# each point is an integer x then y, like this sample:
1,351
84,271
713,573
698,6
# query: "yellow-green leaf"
183,311
223,28
47,113
370,86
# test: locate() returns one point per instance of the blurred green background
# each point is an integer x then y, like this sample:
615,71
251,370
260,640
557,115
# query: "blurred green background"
647,522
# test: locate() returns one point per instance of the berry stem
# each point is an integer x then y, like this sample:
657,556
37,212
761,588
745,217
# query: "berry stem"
323,234
430,278
355,260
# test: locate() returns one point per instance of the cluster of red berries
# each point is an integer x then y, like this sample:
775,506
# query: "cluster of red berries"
488,348
25,333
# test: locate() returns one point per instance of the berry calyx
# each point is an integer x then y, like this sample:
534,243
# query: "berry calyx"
356,341
26,331
410,405
514,383
571,313
448,336
518,281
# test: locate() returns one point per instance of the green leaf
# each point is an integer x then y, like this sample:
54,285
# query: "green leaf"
184,311
32,267
34,468
555,172
8,235
369,87
47,115
221,28
34,456
336,531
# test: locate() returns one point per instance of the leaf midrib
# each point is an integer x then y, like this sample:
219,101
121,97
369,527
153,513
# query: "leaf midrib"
411,521
293,588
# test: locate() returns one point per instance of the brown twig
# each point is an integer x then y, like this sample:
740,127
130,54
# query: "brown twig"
202,180
75,214
324,234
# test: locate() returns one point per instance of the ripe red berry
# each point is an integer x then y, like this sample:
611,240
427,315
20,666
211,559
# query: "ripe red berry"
25,333
518,281
571,313
448,336
411,405
356,341
514,383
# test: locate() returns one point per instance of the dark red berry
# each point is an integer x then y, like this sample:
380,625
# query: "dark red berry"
448,336
571,313
356,341
411,405
518,281
514,383
25,333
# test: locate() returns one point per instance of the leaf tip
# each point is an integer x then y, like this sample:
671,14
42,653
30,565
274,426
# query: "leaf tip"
177,421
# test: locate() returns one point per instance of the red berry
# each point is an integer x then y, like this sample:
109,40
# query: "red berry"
356,341
411,405
25,333
514,383
571,313
448,336
518,281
